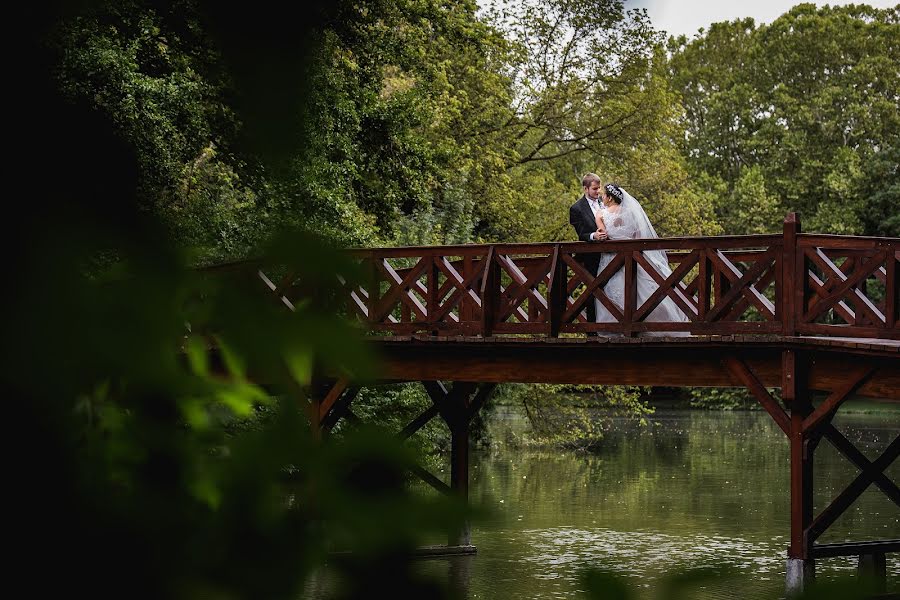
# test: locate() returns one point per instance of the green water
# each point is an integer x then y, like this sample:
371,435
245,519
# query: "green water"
694,489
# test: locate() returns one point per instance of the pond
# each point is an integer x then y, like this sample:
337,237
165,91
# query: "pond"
693,489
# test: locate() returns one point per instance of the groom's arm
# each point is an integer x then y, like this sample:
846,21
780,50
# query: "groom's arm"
582,227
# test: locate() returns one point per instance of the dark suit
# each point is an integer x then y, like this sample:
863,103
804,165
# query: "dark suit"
582,219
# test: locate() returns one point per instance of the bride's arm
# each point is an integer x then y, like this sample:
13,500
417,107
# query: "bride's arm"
601,226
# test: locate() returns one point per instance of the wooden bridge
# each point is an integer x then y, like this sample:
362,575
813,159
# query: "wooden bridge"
815,316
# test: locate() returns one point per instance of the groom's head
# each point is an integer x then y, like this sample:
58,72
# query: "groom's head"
591,184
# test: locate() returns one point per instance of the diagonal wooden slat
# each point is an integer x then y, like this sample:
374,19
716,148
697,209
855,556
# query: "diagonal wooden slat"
667,287
846,498
400,288
419,422
847,284
741,284
742,303
751,294
463,287
855,380
274,288
743,373
526,285
333,394
821,288
359,304
593,289
838,276
340,409
851,453
431,480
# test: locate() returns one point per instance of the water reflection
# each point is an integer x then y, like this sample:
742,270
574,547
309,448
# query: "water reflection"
696,489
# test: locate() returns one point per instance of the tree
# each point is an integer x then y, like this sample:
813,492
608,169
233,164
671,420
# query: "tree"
810,99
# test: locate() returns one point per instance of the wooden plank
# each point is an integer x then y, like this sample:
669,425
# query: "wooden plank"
557,292
892,294
333,394
667,288
630,298
855,380
850,452
847,331
750,381
855,548
340,409
490,294
418,423
854,242
431,479
843,501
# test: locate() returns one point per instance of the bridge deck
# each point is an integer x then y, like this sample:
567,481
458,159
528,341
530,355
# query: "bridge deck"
695,361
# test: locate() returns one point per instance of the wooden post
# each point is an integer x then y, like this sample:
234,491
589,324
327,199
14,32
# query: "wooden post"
490,295
433,300
374,288
800,564
630,293
466,312
459,472
891,292
793,276
704,288
874,568
557,293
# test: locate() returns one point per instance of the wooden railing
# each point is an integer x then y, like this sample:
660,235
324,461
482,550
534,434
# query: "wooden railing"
789,284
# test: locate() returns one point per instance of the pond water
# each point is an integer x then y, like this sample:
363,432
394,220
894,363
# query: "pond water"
693,489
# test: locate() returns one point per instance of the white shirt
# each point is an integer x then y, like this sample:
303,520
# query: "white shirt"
595,208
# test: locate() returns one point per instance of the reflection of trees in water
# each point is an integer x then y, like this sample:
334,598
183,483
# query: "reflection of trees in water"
698,471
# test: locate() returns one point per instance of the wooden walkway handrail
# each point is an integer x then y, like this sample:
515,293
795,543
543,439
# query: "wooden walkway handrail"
787,284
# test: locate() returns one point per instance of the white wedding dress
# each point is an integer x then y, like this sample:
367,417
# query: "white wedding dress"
629,221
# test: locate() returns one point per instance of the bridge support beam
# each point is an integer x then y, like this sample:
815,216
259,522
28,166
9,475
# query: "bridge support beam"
459,477
457,407
805,426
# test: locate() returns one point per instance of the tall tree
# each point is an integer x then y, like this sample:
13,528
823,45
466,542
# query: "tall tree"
810,101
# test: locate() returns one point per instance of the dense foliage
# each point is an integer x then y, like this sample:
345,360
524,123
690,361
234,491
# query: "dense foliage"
802,114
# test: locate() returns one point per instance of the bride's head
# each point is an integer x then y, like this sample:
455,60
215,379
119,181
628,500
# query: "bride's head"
614,193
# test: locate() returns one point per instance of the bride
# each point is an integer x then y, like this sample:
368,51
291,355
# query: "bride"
622,217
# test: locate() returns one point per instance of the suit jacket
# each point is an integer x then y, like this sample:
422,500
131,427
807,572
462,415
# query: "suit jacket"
581,217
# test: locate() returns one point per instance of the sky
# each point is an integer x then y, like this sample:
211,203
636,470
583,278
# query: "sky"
686,16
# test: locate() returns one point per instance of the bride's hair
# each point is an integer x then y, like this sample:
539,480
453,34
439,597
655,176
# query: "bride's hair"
614,192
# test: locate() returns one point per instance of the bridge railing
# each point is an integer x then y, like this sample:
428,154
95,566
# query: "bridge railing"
850,286
788,283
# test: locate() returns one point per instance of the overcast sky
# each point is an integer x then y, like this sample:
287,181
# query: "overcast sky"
687,16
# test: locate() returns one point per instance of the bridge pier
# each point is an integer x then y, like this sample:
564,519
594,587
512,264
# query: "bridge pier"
457,405
805,425
873,567
799,576
459,476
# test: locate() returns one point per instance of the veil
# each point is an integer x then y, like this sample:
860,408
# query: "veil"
635,224
631,222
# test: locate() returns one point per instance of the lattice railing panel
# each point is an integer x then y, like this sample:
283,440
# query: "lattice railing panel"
791,283
850,289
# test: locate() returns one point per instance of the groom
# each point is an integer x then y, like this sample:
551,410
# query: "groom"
582,216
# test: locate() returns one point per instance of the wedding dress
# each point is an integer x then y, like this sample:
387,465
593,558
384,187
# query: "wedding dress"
629,221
